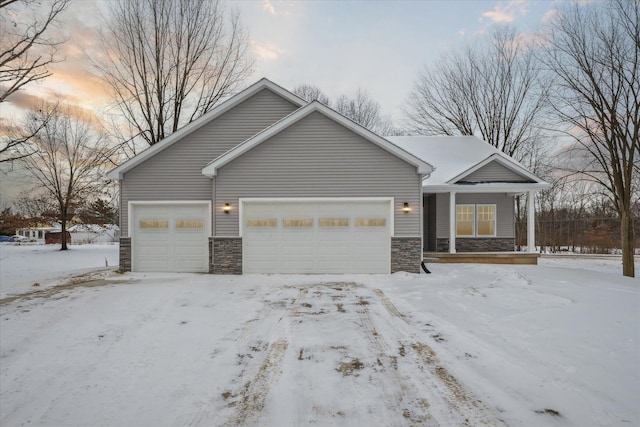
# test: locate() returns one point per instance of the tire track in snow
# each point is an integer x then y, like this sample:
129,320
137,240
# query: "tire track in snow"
253,394
471,411
247,400
407,401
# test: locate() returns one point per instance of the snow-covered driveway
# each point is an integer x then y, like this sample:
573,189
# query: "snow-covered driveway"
467,345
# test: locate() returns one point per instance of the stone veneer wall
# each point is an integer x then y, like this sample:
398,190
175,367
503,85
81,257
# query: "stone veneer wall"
406,254
225,255
125,254
490,244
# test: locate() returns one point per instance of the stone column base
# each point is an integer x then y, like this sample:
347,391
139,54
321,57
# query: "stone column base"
225,255
125,254
406,254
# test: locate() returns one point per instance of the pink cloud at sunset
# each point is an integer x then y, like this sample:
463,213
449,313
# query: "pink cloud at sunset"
506,12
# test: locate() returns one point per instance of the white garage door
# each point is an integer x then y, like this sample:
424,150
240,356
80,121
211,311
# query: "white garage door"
170,237
316,237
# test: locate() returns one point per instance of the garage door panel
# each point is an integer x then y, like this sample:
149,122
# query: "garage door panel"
317,237
153,251
151,265
170,237
299,267
186,251
153,237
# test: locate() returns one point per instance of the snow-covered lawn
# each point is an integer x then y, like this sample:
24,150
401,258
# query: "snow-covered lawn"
467,345
22,266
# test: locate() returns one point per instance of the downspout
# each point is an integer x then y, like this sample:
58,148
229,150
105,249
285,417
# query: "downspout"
421,181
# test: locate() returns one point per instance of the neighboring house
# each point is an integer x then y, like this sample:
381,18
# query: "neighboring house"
35,234
268,183
94,233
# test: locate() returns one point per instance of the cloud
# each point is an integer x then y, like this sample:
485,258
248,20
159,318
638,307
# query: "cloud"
23,100
506,12
266,51
549,15
269,7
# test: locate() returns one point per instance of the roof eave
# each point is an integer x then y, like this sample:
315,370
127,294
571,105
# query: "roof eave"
497,187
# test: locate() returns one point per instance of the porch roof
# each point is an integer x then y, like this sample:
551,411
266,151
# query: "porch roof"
456,157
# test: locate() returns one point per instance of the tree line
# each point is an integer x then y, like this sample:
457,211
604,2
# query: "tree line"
564,101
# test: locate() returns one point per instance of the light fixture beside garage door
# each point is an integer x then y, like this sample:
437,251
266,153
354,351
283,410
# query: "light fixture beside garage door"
226,208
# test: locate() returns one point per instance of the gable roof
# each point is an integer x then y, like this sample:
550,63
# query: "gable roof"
457,157
422,166
219,110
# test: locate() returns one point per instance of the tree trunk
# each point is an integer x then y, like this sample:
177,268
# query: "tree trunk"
628,239
63,237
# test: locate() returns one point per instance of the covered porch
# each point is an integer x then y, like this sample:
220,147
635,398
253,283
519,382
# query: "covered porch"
475,223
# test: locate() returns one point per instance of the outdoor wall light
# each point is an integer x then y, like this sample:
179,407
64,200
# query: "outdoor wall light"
226,208
406,208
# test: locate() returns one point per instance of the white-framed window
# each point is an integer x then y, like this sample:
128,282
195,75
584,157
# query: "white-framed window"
476,220
465,220
485,220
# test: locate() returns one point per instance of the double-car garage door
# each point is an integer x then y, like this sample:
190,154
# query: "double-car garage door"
278,236
342,236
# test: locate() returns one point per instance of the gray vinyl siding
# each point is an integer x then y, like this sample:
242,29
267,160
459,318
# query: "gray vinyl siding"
494,172
176,172
505,218
317,157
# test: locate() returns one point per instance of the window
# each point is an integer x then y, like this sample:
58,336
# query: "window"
465,220
486,220
475,220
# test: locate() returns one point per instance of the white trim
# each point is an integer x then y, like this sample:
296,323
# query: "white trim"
210,170
243,200
117,173
505,161
452,222
531,223
497,187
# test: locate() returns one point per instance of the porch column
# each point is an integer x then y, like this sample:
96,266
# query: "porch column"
452,222
531,223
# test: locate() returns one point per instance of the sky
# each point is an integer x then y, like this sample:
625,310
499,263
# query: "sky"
339,46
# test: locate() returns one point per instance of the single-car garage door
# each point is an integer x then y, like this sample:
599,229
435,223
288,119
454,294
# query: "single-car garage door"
170,237
345,236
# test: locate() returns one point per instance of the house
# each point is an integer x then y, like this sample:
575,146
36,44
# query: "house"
269,183
94,233
36,234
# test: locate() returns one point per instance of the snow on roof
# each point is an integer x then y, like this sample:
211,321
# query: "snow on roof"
95,228
450,155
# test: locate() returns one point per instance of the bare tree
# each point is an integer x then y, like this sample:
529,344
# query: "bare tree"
25,51
311,93
68,159
169,62
594,54
361,108
14,141
25,55
492,90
